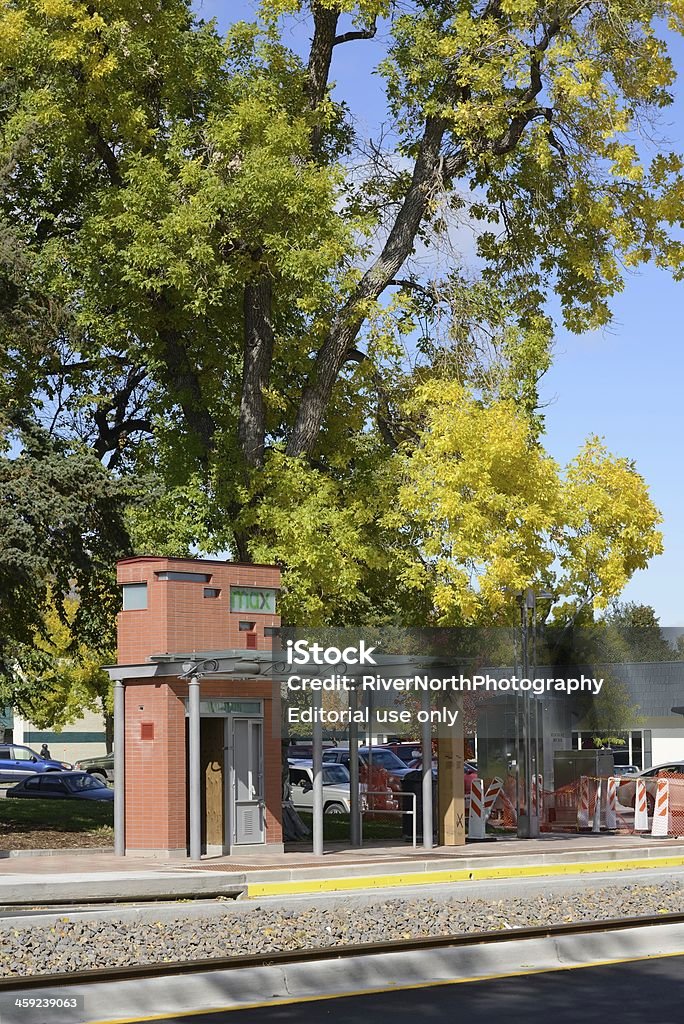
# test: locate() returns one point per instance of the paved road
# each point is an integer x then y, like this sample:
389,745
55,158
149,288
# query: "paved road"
643,992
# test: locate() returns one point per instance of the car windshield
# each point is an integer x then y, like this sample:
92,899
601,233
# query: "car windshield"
385,758
335,775
77,783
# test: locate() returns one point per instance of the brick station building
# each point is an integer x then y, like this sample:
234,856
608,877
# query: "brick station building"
201,764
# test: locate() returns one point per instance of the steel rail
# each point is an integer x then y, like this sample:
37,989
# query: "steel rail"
102,975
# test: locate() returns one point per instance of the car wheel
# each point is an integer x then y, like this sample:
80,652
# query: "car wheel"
334,809
100,776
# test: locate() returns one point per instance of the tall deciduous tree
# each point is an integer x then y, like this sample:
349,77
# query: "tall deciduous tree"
246,316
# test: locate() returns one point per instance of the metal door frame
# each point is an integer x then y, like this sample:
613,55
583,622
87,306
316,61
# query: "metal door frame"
229,788
230,791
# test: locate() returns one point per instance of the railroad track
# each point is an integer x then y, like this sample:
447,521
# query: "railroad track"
102,975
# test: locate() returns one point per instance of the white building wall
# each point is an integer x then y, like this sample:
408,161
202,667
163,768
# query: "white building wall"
84,737
667,745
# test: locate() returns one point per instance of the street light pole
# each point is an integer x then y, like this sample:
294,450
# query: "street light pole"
354,819
528,823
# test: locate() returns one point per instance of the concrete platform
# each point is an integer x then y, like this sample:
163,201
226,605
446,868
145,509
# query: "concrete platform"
32,880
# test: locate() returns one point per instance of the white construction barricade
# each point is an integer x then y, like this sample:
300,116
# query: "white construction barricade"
482,804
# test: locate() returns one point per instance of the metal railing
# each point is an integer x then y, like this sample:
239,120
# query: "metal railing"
365,809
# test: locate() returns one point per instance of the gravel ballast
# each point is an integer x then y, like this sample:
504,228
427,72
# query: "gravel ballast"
68,945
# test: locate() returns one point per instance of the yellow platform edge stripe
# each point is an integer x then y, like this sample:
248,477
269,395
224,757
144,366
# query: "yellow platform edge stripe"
259,889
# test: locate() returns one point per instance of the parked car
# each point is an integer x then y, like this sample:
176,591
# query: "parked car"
380,757
100,767
380,772
405,751
469,774
626,769
62,786
335,787
627,789
417,762
18,762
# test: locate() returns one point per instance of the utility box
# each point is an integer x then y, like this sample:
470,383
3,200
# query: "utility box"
570,765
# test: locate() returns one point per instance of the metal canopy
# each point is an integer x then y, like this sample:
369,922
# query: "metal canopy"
245,664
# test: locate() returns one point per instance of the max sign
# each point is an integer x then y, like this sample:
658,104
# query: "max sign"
253,599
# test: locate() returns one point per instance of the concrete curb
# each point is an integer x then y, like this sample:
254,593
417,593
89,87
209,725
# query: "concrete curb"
76,851
114,888
418,865
347,883
261,987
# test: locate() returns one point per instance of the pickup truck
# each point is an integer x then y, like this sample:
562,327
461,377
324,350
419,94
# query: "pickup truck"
101,767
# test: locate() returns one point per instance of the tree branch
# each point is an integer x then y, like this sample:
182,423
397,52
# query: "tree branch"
111,432
105,153
348,321
364,33
383,415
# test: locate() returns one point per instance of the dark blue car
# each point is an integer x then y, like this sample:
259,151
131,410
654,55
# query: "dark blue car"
18,763
62,786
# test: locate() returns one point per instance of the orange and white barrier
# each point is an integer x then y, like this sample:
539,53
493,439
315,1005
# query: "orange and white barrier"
640,807
661,813
476,819
482,805
583,803
494,791
597,790
611,803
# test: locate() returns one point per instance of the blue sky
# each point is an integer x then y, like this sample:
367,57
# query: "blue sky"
624,384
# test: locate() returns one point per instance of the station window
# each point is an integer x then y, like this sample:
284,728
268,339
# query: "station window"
246,627
184,577
134,597
212,592
271,630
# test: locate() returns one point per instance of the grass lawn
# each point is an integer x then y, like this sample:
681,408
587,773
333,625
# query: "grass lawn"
55,824
336,827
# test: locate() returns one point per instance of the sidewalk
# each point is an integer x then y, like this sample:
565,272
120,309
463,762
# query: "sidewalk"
102,876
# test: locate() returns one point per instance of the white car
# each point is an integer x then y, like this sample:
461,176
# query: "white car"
626,793
335,787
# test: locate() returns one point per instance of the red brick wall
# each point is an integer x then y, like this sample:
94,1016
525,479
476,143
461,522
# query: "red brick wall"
179,619
155,769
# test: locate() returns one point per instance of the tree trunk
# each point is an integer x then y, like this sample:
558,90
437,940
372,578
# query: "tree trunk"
183,382
109,727
258,353
320,56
